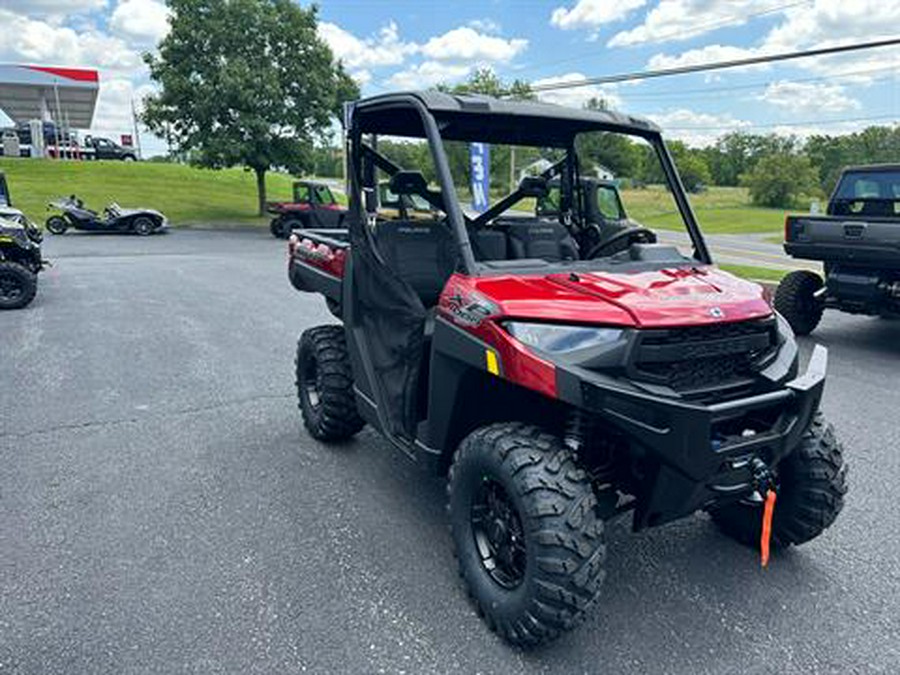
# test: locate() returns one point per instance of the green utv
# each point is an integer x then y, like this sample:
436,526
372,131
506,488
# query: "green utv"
20,254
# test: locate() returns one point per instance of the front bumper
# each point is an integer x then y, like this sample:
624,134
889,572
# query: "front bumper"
692,455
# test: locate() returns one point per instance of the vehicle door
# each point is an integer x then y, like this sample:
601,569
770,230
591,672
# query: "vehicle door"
104,148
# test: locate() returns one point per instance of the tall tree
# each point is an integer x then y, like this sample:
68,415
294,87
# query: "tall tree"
245,82
780,179
486,81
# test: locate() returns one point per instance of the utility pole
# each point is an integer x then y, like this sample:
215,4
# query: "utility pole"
58,119
137,134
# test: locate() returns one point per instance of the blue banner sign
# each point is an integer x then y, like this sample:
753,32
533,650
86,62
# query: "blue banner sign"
480,155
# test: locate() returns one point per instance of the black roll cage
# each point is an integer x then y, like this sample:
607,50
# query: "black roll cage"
449,203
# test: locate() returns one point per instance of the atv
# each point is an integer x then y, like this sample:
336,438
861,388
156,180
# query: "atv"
113,219
313,205
559,372
20,254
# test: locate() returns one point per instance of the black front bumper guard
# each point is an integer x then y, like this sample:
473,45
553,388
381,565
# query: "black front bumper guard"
687,463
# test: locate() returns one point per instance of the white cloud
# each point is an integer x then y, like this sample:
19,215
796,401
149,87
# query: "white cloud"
577,96
45,8
677,20
834,20
113,115
384,49
465,43
697,129
145,21
485,25
707,54
805,98
24,39
428,74
362,76
593,13
825,23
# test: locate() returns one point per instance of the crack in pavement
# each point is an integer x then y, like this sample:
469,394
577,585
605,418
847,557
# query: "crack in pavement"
72,426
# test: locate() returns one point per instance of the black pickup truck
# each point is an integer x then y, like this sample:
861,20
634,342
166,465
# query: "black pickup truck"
858,242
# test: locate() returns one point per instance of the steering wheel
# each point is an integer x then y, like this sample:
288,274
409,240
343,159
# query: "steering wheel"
633,235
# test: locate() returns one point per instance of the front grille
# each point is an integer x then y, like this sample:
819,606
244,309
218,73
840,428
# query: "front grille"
703,358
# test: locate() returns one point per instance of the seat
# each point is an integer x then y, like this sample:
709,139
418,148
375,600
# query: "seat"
488,244
537,238
421,252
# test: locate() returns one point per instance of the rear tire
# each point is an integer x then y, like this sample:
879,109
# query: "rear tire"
795,300
18,285
325,385
143,226
812,482
57,225
529,543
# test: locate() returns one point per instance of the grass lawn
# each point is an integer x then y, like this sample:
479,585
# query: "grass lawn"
720,210
755,273
186,195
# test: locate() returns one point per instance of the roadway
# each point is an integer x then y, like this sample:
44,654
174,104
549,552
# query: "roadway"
163,511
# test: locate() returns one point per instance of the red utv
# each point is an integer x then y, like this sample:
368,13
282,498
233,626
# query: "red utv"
560,373
314,205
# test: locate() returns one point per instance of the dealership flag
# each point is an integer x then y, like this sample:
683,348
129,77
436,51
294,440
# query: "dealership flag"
480,155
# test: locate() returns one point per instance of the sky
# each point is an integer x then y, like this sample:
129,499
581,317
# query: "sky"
390,45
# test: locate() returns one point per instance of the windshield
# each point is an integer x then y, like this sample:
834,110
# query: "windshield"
867,193
569,207
323,195
585,201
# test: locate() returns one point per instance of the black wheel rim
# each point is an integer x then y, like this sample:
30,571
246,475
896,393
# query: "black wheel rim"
11,288
310,381
499,538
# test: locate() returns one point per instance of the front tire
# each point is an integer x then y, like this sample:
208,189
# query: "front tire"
57,225
795,300
325,385
143,226
529,543
18,285
812,482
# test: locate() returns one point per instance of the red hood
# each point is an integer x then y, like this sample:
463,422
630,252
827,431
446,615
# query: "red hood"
669,297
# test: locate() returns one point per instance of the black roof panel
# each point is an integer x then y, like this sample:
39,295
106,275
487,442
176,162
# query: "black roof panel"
473,117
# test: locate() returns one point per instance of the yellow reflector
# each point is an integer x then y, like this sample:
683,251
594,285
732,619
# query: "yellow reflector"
491,360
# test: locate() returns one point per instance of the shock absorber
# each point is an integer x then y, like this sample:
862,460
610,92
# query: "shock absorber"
595,455
575,431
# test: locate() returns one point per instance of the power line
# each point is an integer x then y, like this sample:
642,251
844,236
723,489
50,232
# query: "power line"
738,126
676,35
717,65
759,85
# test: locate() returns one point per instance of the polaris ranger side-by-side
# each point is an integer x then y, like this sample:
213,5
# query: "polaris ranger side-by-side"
20,254
558,371
858,242
313,205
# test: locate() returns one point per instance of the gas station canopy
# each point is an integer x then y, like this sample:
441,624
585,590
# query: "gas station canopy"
68,95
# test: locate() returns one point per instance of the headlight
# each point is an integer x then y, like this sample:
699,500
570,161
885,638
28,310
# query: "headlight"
556,339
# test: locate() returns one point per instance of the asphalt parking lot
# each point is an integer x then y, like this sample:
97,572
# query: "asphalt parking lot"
162,510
